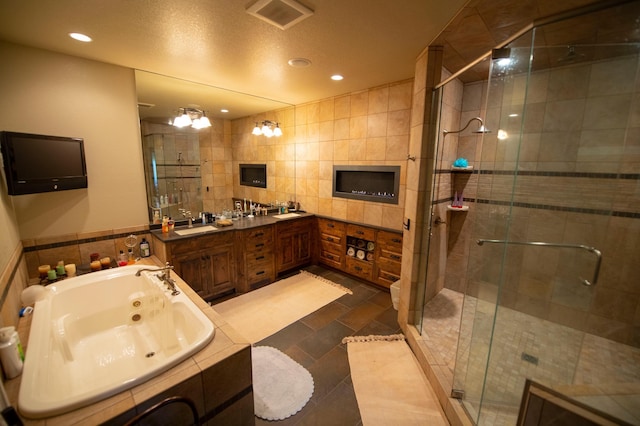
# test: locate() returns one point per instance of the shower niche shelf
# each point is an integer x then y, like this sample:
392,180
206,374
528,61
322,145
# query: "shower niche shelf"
458,209
468,169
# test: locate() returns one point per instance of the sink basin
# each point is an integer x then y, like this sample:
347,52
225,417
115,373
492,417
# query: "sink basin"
196,230
286,215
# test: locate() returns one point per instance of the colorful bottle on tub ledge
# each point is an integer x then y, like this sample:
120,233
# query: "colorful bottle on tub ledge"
144,247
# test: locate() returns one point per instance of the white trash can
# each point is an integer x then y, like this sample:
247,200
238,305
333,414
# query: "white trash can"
395,294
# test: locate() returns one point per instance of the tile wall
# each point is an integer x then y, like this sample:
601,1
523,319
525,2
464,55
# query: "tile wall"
370,127
577,183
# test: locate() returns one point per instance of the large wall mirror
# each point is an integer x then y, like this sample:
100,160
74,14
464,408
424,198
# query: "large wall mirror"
198,170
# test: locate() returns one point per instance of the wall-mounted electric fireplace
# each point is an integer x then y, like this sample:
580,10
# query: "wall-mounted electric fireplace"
369,183
253,175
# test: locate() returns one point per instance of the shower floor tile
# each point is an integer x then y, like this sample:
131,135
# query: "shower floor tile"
603,373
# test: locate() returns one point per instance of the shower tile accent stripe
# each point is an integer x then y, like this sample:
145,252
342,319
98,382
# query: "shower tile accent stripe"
630,177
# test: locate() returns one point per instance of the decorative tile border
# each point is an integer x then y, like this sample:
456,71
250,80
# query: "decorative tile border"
626,176
83,241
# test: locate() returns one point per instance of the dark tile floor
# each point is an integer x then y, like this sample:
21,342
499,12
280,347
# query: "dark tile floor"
315,342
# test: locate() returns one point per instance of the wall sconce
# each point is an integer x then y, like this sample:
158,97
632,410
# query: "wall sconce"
269,128
193,117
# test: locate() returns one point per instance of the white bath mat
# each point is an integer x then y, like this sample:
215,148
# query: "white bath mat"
281,386
389,384
263,312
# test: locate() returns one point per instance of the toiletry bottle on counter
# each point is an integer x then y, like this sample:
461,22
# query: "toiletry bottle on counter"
144,248
11,354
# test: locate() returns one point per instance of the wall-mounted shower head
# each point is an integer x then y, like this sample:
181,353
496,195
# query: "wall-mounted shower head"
480,129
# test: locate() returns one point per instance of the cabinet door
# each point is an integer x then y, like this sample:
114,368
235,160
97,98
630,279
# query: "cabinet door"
190,268
294,245
218,273
285,256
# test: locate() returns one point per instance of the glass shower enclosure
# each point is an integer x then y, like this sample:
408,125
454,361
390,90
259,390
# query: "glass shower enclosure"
544,260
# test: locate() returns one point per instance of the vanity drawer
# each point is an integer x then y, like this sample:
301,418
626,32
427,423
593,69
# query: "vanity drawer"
361,232
359,268
187,245
389,255
331,259
331,247
334,239
391,266
386,278
258,239
389,241
331,227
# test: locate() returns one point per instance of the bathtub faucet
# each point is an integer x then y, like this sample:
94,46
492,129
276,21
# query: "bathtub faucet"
165,276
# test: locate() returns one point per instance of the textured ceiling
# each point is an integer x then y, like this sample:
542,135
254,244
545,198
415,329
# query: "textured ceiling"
241,60
215,42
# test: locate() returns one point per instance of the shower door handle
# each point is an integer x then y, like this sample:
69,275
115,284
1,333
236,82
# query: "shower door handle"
592,250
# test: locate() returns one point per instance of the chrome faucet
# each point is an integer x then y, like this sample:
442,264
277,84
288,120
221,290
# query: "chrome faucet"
165,276
187,213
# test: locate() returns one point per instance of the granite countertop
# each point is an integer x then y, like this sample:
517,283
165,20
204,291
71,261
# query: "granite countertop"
240,224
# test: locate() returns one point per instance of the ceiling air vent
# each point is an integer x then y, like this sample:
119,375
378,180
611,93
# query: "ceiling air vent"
282,13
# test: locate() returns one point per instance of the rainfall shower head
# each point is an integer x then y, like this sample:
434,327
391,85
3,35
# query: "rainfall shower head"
480,129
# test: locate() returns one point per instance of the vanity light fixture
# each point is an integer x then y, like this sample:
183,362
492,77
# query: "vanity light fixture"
193,117
269,128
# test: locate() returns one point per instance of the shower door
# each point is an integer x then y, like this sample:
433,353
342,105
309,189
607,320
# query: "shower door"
552,292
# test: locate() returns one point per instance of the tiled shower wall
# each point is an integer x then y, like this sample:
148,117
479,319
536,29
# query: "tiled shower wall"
578,183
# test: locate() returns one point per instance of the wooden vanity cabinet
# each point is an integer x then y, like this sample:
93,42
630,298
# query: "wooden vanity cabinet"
294,243
369,253
206,263
332,237
255,258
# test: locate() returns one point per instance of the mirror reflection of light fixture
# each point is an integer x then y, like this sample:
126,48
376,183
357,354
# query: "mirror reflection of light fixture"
193,117
269,128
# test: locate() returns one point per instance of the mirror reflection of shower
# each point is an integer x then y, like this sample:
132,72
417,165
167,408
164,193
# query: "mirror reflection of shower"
481,128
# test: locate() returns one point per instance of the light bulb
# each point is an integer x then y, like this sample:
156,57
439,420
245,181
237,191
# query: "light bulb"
277,132
265,128
196,123
268,133
204,122
256,130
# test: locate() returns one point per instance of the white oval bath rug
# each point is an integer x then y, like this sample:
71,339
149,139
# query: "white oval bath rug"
281,386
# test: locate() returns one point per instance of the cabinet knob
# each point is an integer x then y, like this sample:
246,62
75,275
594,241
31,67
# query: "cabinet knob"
396,240
259,272
259,234
259,257
395,257
330,225
330,239
260,245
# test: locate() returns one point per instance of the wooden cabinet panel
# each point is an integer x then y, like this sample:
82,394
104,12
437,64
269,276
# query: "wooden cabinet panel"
365,252
360,268
256,259
332,236
206,263
361,232
293,244
388,258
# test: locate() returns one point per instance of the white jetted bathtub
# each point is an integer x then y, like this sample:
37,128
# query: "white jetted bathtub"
99,334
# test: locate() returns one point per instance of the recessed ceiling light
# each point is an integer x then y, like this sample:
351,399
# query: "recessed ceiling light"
299,62
336,77
224,110
80,37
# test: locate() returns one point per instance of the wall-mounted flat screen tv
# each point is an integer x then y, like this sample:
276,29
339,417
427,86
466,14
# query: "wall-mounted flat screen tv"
42,163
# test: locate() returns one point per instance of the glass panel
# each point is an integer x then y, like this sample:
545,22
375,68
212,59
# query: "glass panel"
561,168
